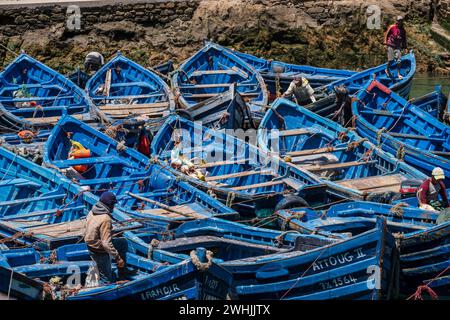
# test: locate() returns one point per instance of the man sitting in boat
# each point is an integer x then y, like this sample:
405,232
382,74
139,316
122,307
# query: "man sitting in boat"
181,163
98,238
395,40
93,62
430,190
301,90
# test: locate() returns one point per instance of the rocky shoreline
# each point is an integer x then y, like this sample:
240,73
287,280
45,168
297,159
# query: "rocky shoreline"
321,33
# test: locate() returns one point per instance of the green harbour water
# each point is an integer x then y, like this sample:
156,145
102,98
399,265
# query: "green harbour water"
424,83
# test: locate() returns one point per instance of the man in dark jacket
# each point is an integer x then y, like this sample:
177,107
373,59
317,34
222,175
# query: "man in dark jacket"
395,40
98,238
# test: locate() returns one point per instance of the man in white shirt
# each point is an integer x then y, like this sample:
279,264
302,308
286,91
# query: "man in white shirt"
301,90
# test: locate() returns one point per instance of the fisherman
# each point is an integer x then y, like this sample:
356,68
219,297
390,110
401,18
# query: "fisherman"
98,238
93,62
301,90
395,40
430,190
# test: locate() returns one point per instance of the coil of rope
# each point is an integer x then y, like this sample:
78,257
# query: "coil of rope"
201,266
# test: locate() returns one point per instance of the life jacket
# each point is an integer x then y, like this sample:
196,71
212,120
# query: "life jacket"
79,152
26,135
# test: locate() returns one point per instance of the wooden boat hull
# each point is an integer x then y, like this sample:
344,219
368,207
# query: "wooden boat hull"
421,140
40,207
346,163
423,245
122,88
154,280
137,182
239,174
278,75
326,104
269,264
34,97
211,71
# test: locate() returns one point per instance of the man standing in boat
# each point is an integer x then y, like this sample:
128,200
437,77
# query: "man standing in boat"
430,189
98,238
395,40
301,90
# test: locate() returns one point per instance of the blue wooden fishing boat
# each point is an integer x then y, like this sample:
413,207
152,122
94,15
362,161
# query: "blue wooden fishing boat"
351,166
239,174
226,110
123,88
278,75
42,208
164,68
434,103
34,97
402,129
332,99
422,241
211,71
33,275
269,264
144,189
79,77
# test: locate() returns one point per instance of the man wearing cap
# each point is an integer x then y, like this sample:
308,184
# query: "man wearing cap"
430,190
395,40
301,90
98,238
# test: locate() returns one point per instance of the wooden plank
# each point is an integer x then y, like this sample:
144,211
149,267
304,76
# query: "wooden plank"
413,136
108,82
293,132
334,166
156,105
216,85
210,95
52,119
223,163
388,183
200,73
239,174
312,151
64,229
187,210
259,185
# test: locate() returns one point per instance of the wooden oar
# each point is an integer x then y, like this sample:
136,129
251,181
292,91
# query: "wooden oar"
159,204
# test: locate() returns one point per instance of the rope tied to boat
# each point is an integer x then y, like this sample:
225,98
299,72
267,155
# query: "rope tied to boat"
397,210
280,238
401,152
153,245
342,135
230,198
355,144
121,147
418,294
380,135
201,266
287,221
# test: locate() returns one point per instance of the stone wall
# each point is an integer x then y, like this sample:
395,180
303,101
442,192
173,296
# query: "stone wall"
16,20
319,33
